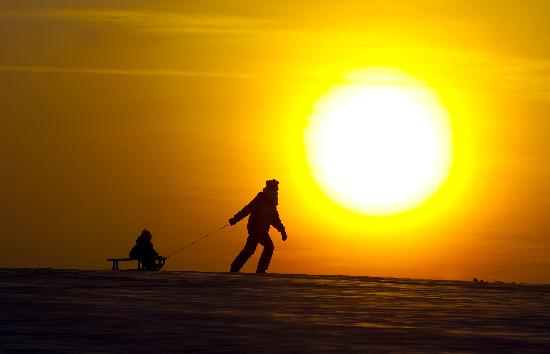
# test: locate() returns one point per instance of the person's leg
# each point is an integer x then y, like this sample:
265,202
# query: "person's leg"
246,253
148,263
265,258
159,262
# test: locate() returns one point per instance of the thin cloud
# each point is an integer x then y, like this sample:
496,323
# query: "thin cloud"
129,72
515,75
151,21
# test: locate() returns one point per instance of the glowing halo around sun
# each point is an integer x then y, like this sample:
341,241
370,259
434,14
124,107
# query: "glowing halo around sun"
379,144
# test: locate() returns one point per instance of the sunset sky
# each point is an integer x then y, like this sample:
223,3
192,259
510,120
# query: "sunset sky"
170,115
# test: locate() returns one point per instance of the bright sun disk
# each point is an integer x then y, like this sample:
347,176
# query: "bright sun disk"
380,144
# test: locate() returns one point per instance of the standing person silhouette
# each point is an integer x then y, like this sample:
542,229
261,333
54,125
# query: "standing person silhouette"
263,214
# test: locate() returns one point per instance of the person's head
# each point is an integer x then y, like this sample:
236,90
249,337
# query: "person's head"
272,190
272,184
145,236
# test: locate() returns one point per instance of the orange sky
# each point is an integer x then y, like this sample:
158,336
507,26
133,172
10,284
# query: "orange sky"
171,116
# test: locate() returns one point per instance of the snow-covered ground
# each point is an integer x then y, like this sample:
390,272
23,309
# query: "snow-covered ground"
57,311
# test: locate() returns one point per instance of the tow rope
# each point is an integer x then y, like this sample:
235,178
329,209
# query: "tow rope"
193,243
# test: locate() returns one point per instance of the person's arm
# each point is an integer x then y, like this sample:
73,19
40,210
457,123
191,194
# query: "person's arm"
154,252
245,211
278,224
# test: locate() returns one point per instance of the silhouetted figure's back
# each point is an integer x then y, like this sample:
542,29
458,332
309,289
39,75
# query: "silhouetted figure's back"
263,214
144,252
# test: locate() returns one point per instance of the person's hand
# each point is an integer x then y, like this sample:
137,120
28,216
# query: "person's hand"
284,236
232,221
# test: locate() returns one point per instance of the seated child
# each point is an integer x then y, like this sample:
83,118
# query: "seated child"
144,252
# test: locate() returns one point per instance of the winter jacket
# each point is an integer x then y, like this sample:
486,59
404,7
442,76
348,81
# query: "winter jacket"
143,250
263,214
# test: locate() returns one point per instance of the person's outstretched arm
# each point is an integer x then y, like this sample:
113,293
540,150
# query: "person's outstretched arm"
245,211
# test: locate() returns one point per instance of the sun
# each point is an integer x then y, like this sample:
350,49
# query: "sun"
381,143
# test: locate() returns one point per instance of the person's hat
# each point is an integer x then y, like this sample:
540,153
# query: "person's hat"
145,234
272,183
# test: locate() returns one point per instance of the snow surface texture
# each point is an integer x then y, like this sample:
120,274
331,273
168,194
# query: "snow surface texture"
66,311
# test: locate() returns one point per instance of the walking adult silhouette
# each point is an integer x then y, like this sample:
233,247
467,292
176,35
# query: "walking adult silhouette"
263,214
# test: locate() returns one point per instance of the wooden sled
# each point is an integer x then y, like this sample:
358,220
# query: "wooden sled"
159,262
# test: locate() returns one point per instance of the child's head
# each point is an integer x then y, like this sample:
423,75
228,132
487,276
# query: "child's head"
145,236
